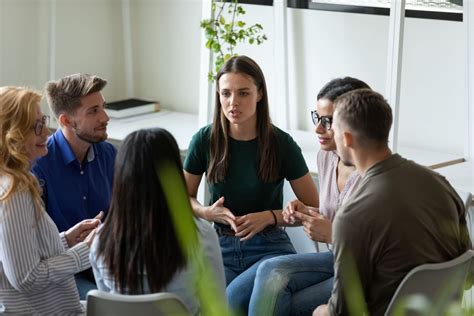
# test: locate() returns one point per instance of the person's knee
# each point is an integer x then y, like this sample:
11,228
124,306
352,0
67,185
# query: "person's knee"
272,268
271,277
266,268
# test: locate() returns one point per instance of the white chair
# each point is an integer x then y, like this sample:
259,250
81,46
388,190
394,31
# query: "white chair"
106,304
438,285
467,199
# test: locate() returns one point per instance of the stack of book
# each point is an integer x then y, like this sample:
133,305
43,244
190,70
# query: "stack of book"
131,107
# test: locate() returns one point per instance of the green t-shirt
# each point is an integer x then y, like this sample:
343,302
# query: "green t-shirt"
242,189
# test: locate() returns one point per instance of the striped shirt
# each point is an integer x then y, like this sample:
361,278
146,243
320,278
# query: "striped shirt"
36,266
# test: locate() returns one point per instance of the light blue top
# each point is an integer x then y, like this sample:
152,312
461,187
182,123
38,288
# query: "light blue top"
182,284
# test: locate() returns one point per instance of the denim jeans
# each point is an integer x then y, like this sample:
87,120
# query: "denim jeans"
292,285
242,258
85,282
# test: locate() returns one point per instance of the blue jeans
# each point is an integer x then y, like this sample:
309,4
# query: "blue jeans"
242,258
292,285
85,282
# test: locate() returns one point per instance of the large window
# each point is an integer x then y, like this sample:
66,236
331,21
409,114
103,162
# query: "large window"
428,5
427,9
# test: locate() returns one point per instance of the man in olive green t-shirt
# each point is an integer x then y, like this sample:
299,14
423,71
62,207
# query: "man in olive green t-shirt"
402,214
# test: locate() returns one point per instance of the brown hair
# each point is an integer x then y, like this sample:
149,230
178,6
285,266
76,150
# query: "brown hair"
266,138
367,114
64,95
18,108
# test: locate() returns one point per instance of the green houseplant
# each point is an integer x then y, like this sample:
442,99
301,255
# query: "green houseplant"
225,29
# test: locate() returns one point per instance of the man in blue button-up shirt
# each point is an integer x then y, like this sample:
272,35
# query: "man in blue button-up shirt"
76,174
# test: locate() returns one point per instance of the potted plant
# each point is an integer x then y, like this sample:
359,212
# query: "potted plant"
225,29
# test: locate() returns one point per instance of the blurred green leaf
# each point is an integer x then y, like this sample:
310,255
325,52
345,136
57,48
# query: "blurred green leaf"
216,47
212,302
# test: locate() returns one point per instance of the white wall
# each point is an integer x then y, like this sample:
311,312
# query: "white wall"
166,52
20,43
326,45
433,98
166,55
88,39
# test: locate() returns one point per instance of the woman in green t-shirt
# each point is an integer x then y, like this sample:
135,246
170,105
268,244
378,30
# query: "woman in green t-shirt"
246,160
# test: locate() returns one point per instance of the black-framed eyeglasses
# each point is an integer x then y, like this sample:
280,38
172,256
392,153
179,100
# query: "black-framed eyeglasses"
326,121
40,124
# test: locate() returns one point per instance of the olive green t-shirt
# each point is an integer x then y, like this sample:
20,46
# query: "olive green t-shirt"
402,215
242,189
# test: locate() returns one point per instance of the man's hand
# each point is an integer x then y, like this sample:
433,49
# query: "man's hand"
251,224
82,230
316,226
217,212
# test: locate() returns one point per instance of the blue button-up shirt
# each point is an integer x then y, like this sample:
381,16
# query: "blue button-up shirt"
71,191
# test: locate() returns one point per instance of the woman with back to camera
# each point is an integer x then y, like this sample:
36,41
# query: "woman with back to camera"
37,263
297,284
246,160
137,249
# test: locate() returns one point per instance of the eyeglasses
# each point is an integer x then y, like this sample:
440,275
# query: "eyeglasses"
40,124
326,121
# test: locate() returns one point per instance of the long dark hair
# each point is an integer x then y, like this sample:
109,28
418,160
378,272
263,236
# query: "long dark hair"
138,235
266,138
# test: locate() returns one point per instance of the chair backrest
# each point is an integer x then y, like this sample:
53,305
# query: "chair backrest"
467,199
157,304
440,284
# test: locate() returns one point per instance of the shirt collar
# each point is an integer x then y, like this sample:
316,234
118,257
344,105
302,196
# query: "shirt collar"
90,154
391,162
66,150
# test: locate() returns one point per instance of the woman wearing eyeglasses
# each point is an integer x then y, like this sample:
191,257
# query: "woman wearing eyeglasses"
297,284
37,263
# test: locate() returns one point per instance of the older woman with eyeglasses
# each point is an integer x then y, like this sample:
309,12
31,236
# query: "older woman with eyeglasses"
37,263
297,284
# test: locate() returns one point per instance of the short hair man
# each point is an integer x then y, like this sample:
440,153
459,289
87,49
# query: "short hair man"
76,174
401,216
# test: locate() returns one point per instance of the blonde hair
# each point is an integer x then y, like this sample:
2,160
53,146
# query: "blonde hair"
18,107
